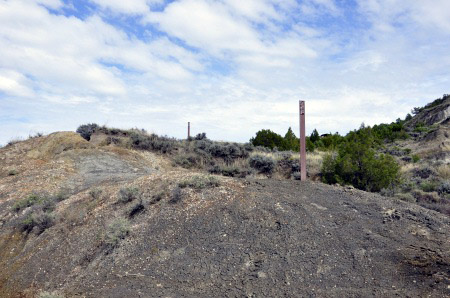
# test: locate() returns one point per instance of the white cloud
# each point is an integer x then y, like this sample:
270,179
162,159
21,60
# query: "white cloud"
53,4
127,7
14,83
386,12
230,67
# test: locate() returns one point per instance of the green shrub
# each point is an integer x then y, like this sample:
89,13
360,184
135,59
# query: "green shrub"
116,231
28,201
187,161
40,219
86,130
407,150
269,139
230,171
153,142
415,158
200,182
128,194
358,164
264,164
428,186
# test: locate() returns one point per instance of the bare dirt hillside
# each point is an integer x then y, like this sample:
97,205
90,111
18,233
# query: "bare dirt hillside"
82,220
430,130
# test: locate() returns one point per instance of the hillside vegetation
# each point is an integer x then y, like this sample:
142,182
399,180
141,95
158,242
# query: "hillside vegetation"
108,212
408,159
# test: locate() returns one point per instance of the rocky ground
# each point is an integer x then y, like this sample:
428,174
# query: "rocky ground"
230,238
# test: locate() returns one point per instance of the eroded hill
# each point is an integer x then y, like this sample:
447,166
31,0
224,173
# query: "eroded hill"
92,219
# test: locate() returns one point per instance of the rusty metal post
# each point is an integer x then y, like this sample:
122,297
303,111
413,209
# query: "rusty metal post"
189,131
302,141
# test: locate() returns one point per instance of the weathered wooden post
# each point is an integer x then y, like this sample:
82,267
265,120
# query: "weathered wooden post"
189,131
302,141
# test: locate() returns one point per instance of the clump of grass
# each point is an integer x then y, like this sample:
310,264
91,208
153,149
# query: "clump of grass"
45,201
36,135
233,170
187,161
116,231
444,188
12,172
426,197
444,171
14,141
264,164
136,209
40,216
415,158
61,196
177,195
28,201
428,186
95,193
200,182
407,197
143,141
40,219
128,194
53,294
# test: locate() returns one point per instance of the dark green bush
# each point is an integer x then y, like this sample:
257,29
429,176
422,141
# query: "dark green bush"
269,139
263,164
86,130
200,136
358,164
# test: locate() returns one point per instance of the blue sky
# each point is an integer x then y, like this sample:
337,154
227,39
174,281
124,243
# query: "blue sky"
230,67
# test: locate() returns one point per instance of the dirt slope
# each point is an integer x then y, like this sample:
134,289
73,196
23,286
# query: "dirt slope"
243,238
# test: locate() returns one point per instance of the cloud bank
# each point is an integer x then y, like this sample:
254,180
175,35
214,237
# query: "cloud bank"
229,67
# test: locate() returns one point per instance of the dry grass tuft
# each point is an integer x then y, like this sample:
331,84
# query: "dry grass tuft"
56,143
444,171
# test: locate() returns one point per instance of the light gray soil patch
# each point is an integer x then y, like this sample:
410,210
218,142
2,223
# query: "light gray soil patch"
95,169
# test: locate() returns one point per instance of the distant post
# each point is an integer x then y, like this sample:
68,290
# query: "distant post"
189,131
302,141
